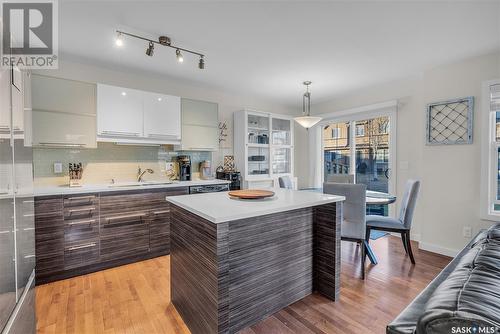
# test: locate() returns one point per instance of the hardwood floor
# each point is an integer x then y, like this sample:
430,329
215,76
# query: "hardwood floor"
135,298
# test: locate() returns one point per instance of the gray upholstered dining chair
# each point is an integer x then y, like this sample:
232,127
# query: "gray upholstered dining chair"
353,227
403,223
340,178
285,182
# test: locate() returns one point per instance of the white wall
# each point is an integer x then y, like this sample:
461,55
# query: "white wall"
228,103
450,175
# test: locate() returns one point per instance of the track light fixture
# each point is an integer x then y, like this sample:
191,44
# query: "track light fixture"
179,56
150,50
164,41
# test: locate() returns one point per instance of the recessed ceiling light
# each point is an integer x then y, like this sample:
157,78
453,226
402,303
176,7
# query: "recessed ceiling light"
124,93
159,99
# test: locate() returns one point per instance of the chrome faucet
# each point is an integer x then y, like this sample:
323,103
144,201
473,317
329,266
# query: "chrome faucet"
140,173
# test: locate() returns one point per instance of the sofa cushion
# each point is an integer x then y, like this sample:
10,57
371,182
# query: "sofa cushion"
470,295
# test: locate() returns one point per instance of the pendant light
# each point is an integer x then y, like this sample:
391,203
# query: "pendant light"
306,120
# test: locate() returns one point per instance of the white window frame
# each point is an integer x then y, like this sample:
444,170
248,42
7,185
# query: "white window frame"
489,156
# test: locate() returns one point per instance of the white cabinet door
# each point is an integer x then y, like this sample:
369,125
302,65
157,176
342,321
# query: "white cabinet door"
57,129
162,116
119,112
200,121
200,138
200,113
64,112
69,96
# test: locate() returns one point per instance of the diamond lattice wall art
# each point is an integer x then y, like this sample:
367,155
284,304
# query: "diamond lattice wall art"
450,122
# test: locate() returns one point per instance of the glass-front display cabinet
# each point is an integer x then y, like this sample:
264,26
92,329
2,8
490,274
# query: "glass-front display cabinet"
263,146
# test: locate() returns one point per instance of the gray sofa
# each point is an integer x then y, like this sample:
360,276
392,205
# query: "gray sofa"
466,294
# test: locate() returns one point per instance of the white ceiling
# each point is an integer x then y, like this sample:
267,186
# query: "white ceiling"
267,49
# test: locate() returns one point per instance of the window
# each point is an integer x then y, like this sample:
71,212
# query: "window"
335,133
383,128
360,130
491,153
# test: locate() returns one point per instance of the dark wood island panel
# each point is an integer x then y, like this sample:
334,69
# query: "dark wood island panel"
228,276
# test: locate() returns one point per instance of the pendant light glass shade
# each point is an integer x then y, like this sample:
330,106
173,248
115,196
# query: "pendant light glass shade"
306,120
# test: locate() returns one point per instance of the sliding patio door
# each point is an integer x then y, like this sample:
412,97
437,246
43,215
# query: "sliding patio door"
364,148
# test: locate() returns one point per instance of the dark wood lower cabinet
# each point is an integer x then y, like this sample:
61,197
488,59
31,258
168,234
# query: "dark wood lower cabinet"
85,233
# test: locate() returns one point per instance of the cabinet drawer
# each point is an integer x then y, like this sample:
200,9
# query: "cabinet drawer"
159,231
80,254
124,203
81,230
120,241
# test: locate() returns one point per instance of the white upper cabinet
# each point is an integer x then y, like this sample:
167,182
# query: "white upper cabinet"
200,121
132,116
64,112
162,116
120,111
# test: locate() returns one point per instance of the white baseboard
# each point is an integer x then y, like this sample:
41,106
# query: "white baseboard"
414,237
438,249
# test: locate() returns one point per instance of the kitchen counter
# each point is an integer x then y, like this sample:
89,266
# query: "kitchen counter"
235,262
99,188
219,207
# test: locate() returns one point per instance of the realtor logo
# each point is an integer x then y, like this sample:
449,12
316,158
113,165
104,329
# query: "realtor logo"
29,34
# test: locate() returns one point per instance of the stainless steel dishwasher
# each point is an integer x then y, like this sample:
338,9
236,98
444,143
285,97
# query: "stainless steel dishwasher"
212,188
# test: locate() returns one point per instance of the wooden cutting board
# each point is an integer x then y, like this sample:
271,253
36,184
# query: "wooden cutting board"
251,194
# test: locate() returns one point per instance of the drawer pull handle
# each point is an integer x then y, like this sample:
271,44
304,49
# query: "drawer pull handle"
29,256
161,212
137,215
93,244
81,210
80,198
61,144
120,133
81,222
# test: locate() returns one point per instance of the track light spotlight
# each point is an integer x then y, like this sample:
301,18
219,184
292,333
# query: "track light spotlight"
201,64
119,39
180,58
151,49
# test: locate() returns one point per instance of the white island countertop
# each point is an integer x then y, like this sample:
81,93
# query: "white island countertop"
99,188
220,207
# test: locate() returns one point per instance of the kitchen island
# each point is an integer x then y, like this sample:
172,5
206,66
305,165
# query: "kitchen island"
235,262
